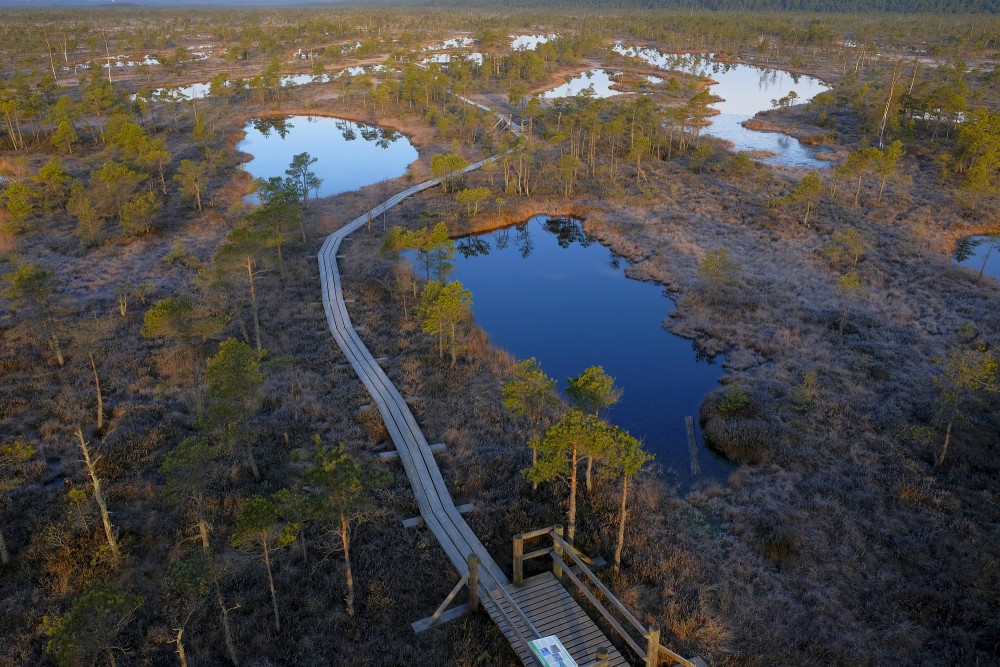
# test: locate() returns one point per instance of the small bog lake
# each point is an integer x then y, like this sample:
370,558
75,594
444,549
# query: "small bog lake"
980,253
745,90
545,289
349,155
599,81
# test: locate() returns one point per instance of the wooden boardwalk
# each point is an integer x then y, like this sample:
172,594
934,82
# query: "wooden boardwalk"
541,608
435,503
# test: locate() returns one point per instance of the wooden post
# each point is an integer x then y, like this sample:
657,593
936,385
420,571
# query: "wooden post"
557,550
473,582
518,559
602,656
653,646
692,446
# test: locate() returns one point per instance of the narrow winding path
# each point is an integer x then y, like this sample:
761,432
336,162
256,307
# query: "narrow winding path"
435,502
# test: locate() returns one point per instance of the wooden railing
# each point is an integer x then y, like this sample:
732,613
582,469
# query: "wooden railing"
652,653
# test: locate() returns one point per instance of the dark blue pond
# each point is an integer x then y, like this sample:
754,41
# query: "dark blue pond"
980,253
546,290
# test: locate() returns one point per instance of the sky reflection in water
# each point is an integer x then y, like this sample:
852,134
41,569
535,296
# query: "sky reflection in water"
546,289
350,155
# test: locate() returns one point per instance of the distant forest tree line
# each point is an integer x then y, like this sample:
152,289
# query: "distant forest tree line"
832,6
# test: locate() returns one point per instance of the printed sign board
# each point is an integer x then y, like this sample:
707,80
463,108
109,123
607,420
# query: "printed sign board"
551,652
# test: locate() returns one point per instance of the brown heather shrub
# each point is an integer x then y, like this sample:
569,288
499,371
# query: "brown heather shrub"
371,419
777,543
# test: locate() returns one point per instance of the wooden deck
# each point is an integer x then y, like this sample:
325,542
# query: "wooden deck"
551,610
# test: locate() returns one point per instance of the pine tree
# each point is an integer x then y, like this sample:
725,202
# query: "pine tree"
442,307
531,394
234,381
258,525
91,627
624,454
574,436
346,488
592,391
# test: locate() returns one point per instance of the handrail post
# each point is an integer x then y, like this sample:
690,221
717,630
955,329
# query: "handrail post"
653,646
602,658
518,559
473,582
557,550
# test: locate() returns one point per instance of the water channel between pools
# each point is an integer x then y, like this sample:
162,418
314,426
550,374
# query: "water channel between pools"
545,289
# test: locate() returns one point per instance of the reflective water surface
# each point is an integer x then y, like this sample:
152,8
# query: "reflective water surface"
445,58
745,91
349,155
545,289
599,81
529,42
197,91
980,253
453,43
